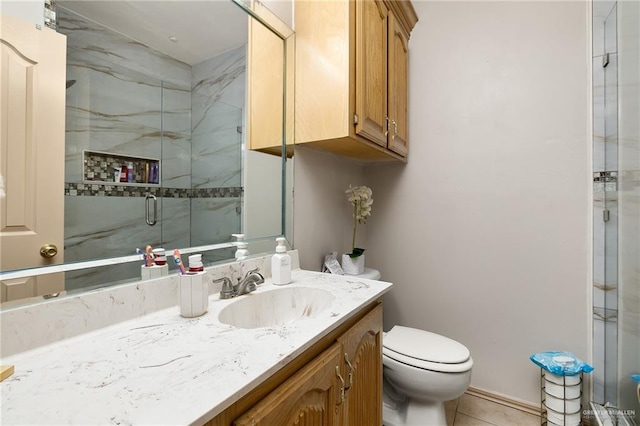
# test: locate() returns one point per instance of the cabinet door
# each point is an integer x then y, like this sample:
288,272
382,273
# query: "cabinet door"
398,88
371,70
362,368
312,396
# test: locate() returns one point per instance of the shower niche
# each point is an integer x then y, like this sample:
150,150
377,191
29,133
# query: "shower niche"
118,169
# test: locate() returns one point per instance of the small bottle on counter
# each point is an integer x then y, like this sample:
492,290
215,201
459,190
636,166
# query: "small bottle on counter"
281,264
159,256
241,252
195,263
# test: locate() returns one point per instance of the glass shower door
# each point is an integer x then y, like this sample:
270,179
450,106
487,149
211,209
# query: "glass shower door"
616,219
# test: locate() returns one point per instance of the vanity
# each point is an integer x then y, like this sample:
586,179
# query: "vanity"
303,351
122,354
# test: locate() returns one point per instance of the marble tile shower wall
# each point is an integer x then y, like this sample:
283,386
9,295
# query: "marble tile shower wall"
628,48
218,93
126,98
217,96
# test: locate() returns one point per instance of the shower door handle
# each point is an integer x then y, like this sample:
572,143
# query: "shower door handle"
149,220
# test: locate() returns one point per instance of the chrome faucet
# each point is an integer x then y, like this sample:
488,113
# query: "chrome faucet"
244,286
249,282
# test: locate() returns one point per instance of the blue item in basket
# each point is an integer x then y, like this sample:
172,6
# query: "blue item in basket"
560,363
635,378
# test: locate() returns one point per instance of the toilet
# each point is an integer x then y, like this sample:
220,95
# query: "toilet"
421,370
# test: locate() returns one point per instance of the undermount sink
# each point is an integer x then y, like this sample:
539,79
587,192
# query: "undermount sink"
275,307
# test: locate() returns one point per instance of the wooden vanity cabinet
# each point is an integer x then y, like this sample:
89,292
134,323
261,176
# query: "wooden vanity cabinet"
338,381
351,89
313,396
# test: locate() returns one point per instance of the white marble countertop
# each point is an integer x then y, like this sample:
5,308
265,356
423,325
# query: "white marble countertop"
163,369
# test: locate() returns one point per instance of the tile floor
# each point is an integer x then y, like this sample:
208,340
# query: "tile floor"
474,411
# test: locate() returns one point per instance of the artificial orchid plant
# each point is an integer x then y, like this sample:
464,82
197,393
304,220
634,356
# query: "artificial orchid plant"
361,199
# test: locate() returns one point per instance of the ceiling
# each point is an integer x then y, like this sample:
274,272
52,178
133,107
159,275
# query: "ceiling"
202,29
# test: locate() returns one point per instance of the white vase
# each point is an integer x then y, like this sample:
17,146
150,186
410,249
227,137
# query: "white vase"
353,266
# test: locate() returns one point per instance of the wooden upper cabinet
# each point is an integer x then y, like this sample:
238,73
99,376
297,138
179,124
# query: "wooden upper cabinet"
371,67
351,79
398,88
270,68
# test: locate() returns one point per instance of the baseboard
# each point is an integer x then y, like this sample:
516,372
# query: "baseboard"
519,404
508,401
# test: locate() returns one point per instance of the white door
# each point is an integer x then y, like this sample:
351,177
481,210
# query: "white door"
32,85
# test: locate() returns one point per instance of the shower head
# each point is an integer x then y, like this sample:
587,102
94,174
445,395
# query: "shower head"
70,83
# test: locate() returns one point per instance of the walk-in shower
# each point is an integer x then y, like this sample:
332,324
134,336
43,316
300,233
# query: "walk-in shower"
616,214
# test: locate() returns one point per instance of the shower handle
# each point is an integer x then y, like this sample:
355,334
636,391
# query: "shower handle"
147,209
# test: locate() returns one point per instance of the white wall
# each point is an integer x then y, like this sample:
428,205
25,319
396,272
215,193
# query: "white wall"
27,10
283,9
323,217
485,232
262,197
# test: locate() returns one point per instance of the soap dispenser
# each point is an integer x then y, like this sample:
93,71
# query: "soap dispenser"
281,264
241,252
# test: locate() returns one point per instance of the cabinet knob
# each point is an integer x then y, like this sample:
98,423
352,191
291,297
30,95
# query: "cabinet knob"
48,250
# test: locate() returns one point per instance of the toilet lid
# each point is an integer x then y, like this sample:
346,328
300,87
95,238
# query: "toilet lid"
424,345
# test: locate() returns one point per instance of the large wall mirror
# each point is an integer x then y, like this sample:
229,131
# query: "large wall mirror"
158,101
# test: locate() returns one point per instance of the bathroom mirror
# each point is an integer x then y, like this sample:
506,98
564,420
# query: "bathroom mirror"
156,151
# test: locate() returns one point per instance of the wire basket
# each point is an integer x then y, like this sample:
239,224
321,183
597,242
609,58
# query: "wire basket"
560,399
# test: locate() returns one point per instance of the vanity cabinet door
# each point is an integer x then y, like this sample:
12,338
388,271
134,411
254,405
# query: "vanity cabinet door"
361,350
312,396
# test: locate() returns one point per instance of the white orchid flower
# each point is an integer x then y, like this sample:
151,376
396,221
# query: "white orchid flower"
361,199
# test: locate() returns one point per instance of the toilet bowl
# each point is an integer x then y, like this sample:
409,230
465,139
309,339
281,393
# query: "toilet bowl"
421,371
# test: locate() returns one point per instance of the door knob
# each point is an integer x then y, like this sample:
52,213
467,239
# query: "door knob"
48,250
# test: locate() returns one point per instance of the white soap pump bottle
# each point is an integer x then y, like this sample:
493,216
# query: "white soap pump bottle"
241,252
281,264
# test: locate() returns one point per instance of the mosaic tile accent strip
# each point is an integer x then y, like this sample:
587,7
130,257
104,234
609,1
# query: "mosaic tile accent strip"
233,191
176,193
111,190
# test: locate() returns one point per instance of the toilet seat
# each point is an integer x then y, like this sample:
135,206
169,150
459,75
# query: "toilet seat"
425,350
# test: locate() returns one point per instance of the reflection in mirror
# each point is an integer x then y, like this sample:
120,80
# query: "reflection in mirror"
155,147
